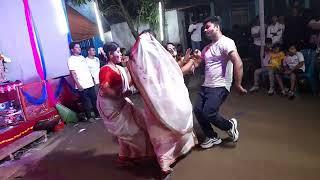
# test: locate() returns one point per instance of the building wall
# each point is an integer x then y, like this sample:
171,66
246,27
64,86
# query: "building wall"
172,26
121,34
87,10
183,31
176,31
15,43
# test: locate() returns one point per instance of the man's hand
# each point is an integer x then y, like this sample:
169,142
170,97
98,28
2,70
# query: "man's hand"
188,52
187,56
125,59
197,54
288,72
241,90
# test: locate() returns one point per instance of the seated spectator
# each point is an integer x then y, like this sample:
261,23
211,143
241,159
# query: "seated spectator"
271,62
293,64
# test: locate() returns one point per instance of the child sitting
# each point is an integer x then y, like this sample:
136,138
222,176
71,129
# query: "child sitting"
293,65
271,62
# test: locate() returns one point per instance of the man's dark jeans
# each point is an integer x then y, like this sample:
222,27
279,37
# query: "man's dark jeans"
88,98
207,107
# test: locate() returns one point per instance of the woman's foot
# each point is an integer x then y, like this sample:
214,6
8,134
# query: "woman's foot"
166,174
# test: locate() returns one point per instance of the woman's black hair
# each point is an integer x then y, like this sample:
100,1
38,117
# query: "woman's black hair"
110,47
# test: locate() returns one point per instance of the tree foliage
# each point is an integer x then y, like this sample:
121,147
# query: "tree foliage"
134,12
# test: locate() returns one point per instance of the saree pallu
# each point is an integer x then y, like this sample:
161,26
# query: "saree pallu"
168,108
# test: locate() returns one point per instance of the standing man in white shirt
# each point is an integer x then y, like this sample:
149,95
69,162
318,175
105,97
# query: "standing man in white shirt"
220,56
94,65
275,31
81,75
195,32
255,51
281,21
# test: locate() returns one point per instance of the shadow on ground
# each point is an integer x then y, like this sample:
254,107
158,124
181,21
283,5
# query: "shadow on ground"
87,165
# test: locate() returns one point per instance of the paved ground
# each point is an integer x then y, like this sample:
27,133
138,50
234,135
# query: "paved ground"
278,140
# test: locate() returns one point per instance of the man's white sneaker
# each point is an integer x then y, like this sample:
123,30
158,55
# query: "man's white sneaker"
291,95
271,92
233,132
254,88
209,142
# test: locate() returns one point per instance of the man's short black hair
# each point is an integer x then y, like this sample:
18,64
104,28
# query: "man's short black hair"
89,47
214,20
72,44
169,44
292,45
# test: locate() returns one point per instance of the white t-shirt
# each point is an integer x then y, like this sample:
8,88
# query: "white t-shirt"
275,32
256,30
94,68
293,61
283,27
196,35
218,67
79,65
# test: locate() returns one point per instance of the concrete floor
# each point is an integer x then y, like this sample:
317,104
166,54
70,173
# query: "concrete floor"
279,140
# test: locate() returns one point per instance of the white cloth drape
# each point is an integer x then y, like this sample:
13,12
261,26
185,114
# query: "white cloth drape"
160,81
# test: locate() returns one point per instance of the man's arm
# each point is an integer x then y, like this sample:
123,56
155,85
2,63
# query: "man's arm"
191,29
298,66
74,77
255,34
238,70
187,55
314,25
269,35
187,68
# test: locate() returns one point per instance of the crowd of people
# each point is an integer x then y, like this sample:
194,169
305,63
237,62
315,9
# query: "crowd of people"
165,133
285,37
159,131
